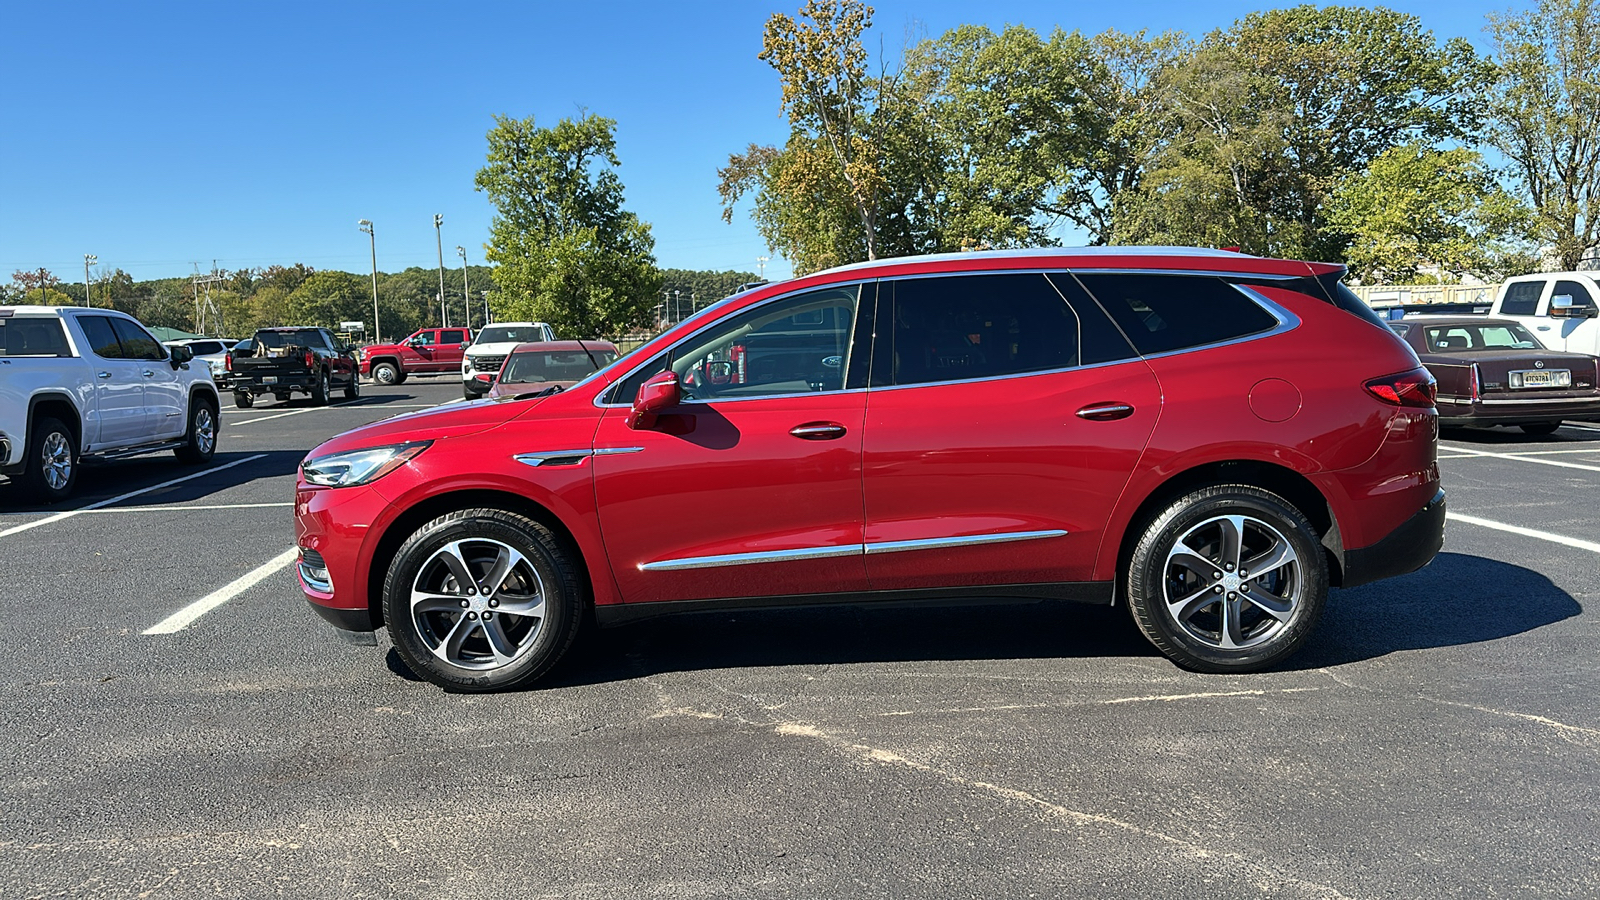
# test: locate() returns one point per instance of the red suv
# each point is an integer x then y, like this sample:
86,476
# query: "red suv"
1209,438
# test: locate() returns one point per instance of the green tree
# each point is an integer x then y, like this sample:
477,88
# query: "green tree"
1544,109
1418,208
327,298
567,253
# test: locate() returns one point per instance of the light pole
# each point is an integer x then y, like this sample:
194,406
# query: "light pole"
666,306
87,259
438,236
486,317
761,265
366,226
677,304
466,293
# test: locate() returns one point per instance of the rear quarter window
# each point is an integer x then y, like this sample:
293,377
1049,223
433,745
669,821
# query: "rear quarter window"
1163,313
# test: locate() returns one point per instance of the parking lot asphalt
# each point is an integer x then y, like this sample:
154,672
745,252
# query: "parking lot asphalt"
1439,737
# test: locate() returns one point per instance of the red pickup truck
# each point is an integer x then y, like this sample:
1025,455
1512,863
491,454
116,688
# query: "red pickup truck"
431,351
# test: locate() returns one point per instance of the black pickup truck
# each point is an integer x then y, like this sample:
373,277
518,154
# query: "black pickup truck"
282,361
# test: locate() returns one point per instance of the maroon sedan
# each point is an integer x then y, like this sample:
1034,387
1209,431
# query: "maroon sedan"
1495,372
541,365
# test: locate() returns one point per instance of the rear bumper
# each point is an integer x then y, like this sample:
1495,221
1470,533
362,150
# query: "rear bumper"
1406,549
252,384
1518,411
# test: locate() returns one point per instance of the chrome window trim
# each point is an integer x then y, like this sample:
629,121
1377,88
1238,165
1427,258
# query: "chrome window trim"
1287,321
1202,273
966,541
799,553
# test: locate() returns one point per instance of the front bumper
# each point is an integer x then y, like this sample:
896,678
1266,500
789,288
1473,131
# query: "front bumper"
1406,549
335,524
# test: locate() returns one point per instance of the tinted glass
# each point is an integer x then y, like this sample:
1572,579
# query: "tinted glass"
136,342
795,345
1522,298
1099,341
102,339
33,337
1577,291
203,348
454,337
553,365
1162,313
979,326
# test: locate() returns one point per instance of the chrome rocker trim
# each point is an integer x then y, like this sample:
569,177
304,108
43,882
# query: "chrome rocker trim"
766,556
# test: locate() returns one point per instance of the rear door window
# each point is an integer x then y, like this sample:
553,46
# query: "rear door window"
33,337
102,338
956,328
1163,313
136,342
1522,298
454,337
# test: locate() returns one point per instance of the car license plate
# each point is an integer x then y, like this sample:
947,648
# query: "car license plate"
1532,378
269,379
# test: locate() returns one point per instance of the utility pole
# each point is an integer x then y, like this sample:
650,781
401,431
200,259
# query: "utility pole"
87,259
761,264
466,292
438,236
366,226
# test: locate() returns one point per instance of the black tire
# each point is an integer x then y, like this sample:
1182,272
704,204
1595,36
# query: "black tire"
352,390
1297,588
535,642
50,468
320,389
1540,428
386,373
400,378
244,399
468,393
200,442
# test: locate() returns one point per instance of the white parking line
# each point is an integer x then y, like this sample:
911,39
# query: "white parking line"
1529,459
155,487
185,617
296,412
129,509
1590,546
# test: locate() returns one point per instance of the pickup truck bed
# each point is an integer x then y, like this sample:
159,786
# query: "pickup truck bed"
286,361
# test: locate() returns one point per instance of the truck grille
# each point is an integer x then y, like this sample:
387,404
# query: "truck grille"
487,363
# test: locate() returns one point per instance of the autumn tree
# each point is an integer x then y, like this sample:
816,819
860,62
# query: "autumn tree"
567,253
1544,109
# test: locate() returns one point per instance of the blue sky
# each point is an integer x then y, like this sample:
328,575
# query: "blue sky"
161,135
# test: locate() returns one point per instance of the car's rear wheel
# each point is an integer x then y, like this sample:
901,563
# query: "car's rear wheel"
50,468
1540,428
1228,579
200,444
244,399
482,600
385,373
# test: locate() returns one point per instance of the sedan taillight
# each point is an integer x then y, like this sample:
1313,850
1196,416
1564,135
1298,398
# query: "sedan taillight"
1475,384
1413,388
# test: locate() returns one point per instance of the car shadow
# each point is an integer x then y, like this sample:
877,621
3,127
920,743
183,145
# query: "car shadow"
1513,435
104,480
1457,600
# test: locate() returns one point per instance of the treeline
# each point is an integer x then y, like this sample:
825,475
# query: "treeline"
1330,133
247,299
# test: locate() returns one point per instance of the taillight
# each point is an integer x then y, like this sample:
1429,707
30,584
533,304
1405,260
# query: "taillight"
227,362
311,359
1475,384
1413,388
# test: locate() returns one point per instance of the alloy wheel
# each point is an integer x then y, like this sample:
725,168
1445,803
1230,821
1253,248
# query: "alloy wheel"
478,604
57,460
205,431
1232,582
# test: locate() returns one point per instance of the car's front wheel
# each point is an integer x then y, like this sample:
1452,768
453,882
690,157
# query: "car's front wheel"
384,373
482,600
352,390
1228,579
320,389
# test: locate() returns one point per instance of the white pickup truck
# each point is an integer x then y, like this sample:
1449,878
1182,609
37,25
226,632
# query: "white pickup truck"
1558,307
80,383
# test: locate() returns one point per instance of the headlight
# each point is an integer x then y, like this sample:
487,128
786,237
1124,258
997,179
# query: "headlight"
355,467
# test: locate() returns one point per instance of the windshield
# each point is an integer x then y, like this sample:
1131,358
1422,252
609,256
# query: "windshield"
535,366
505,334
1488,336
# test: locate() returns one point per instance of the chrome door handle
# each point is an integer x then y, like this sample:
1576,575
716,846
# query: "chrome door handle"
1105,412
102,375
149,374
818,431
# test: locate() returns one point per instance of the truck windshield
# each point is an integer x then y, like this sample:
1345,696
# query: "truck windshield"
506,334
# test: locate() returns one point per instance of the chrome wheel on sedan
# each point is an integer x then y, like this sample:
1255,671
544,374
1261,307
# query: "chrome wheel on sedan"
483,600
1229,578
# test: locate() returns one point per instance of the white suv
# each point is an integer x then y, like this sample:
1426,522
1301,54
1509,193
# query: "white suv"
489,349
80,383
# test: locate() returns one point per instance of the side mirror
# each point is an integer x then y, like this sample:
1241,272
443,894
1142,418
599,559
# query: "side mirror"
181,355
1562,307
657,394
